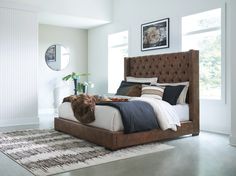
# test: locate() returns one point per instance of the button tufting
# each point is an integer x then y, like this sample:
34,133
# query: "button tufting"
162,66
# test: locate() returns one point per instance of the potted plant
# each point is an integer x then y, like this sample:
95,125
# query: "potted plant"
75,77
83,86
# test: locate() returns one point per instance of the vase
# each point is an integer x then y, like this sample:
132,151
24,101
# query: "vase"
85,89
76,86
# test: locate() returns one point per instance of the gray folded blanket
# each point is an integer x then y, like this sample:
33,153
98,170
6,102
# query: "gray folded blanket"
136,115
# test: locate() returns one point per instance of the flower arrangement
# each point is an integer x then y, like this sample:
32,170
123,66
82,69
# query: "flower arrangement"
78,86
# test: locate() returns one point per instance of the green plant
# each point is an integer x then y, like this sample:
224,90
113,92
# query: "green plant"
75,77
83,86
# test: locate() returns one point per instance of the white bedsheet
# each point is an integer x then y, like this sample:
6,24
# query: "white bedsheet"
166,115
107,117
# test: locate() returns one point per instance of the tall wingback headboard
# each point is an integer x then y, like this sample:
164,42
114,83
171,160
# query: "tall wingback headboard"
170,68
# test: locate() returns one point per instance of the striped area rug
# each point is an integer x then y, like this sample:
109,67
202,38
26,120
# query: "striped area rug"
47,152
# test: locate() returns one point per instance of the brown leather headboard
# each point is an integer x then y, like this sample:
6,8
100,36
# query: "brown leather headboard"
169,68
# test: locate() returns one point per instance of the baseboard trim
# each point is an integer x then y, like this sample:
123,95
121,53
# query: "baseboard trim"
19,121
232,140
216,131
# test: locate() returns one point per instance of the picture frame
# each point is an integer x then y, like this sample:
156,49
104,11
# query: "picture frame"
50,54
155,35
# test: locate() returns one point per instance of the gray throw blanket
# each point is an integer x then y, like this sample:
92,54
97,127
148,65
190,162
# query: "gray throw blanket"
136,115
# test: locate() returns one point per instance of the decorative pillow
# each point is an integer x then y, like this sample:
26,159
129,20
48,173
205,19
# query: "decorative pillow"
141,80
134,91
172,93
183,94
130,89
152,91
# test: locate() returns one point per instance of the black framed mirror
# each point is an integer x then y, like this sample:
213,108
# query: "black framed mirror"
57,57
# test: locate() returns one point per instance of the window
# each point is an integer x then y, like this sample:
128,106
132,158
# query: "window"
202,31
117,50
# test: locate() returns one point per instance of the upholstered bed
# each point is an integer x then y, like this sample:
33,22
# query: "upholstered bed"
169,68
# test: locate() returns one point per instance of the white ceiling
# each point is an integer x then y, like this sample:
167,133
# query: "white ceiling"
70,13
69,21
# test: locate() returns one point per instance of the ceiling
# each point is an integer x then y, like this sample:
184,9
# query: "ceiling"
83,14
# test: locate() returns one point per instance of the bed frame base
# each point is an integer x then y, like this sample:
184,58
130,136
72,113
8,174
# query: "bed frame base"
116,140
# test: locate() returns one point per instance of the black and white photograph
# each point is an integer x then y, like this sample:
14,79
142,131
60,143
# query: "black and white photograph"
155,35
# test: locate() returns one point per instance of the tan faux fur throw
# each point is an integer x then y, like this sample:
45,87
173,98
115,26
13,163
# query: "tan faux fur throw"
83,107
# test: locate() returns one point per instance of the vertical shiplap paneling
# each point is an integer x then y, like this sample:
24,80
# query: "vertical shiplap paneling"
18,66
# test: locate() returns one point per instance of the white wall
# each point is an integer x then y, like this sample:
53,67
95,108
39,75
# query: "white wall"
129,15
50,81
18,67
233,71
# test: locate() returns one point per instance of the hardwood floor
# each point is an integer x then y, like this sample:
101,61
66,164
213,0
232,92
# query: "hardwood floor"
204,155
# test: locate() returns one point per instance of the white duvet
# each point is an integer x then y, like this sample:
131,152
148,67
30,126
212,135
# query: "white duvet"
109,118
167,116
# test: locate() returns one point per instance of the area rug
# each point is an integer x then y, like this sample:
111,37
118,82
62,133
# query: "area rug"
48,152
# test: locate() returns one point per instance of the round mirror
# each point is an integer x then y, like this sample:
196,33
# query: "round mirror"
57,57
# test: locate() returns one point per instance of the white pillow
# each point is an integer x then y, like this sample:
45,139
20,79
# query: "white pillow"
153,91
183,94
141,80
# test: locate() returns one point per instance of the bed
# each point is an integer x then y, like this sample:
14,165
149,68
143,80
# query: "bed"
171,68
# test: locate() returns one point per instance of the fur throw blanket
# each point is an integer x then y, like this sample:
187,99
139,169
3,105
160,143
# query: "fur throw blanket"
83,107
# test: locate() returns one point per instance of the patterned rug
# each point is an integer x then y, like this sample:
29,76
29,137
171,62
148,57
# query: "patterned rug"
47,152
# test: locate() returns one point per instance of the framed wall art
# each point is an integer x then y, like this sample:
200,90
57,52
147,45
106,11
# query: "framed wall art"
155,35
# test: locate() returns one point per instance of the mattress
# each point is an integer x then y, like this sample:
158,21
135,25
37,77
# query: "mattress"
109,118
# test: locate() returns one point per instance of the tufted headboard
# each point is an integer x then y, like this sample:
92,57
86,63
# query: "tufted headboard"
170,68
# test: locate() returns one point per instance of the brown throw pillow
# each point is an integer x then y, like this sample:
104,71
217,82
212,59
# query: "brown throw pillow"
134,91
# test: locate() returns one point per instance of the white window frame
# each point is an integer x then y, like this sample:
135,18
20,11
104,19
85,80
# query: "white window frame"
116,46
223,50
